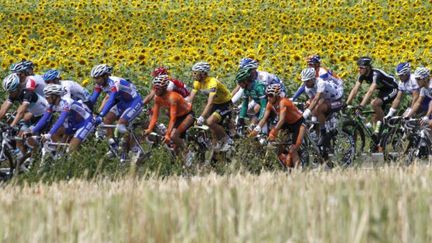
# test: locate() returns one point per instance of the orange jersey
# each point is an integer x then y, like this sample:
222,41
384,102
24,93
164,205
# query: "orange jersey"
293,114
176,104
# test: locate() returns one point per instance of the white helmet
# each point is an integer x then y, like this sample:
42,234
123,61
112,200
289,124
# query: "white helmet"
54,89
273,89
11,82
100,70
308,74
422,73
201,67
161,81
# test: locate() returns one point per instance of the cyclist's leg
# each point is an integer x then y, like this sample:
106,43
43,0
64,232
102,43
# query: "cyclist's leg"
378,115
178,133
131,111
109,119
81,134
28,120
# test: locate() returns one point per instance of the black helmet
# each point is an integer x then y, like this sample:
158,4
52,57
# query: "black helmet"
364,62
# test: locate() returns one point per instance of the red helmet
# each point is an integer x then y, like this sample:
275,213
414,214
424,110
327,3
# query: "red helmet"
159,71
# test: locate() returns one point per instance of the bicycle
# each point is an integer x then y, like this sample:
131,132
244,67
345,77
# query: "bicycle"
419,140
394,139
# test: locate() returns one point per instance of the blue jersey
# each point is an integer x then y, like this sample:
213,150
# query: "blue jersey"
71,113
118,89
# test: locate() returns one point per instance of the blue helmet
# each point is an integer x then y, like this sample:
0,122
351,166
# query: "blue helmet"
313,59
248,63
403,68
18,67
51,75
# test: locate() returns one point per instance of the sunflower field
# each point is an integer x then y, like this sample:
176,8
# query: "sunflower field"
136,36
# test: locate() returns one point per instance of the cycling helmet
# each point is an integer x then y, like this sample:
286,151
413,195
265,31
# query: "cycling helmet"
243,75
161,81
54,89
274,89
313,59
159,71
11,82
100,70
422,73
248,63
364,62
308,74
18,67
201,67
403,68
51,75
28,64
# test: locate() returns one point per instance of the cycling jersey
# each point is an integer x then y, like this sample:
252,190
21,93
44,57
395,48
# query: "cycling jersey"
37,103
326,75
329,91
257,93
178,86
73,115
380,78
293,114
265,78
35,83
409,86
213,86
74,91
119,90
177,106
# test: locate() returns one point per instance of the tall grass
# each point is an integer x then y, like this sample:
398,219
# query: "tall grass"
387,204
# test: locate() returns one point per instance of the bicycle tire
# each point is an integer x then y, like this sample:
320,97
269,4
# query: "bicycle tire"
343,149
358,135
10,165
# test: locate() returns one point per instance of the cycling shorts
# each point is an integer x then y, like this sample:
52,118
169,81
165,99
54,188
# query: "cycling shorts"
294,129
387,96
222,111
180,120
80,130
128,110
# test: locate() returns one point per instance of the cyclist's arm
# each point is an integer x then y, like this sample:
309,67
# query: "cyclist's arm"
42,122
244,107
235,90
20,113
263,104
281,121
154,117
298,92
266,115
94,96
429,112
109,103
172,118
416,106
105,99
397,100
209,105
315,100
191,96
353,92
415,96
4,108
368,94
149,97
60,121
236,94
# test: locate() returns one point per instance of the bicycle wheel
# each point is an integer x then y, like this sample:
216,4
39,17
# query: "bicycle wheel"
358,135
310,154
8,164
343,148
393,145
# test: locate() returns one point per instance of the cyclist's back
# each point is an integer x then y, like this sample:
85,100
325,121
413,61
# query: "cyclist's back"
74,91
212,85
35,83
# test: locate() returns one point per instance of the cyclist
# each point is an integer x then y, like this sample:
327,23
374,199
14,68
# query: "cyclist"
122,103
289,118
253,89
181,116
73,90
75,118
28,79
262,76
422,76
218,107
314,61
173,85
378,80
407,85
30,110
325,98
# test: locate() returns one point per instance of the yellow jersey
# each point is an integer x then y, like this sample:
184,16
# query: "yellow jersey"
212,85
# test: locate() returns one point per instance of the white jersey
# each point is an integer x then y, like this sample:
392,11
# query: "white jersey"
426,92
78,111
35,83
74,91
409,86
38,107
329,91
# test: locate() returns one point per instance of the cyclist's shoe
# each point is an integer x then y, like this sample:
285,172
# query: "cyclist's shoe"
113,148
